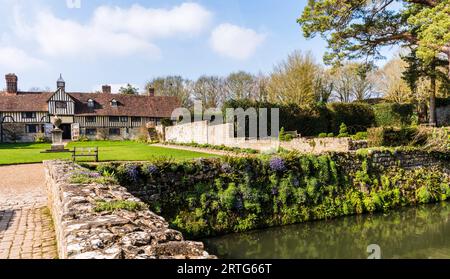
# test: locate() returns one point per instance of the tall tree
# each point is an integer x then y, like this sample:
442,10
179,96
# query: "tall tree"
358,29
391,84
173,86
352,82
240,85
324,85
128,90
293,80
210,91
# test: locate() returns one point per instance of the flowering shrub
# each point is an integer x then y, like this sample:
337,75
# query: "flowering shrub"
277,164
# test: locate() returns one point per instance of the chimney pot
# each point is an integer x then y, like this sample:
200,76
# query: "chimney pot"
151,92
11,83
106,89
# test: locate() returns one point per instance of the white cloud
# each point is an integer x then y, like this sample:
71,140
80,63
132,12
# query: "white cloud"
114,30
15,59
188,18
235,42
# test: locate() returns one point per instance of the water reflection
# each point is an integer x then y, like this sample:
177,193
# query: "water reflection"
420,232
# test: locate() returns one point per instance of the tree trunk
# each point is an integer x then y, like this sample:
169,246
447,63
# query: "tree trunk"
433,97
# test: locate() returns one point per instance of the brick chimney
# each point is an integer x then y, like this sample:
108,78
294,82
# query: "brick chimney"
11,84
151,92
106,89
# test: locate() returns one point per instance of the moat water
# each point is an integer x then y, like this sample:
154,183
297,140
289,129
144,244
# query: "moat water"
417,232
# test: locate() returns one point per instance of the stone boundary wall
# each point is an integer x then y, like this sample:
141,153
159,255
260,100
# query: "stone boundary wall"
321,145
84,234
411,159
202,133
443,116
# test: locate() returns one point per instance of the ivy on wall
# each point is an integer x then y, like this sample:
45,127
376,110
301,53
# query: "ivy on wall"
218,196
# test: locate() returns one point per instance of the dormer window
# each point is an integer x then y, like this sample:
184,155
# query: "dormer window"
114,103
91,103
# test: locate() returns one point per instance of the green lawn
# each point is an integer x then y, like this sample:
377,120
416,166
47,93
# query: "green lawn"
21,153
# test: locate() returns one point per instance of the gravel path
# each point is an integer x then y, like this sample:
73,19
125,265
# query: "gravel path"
26,227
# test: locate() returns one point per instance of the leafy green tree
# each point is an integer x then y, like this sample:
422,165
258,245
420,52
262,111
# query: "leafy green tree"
360,29
128,90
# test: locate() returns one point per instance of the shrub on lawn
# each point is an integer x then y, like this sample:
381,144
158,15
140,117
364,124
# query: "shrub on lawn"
393,114
343,131
41,138
389,136
360,136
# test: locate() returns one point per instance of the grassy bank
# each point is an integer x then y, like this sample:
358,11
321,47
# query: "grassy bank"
23,153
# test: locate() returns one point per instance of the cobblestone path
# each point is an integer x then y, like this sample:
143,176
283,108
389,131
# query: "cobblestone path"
26,226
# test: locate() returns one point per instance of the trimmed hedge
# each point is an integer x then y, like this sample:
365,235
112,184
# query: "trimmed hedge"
218,196
442,102
357,116
391,137
320,118
393,114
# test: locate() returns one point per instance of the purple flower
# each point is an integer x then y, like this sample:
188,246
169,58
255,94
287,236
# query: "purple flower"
95,175
239,204
277,164
274,191
133,173
152,169
226,168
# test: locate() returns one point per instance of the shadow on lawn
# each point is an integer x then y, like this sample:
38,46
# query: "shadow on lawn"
24,145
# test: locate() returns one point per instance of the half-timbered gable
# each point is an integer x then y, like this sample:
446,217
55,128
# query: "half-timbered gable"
61,103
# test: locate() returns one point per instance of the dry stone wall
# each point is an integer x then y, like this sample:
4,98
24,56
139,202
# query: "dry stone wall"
84,234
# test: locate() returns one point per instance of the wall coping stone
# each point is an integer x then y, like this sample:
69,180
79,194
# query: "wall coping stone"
83,233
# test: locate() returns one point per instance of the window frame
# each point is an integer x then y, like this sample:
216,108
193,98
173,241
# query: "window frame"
88,118
114,119
25,115
91,103
124,119
133,119
114,134
91,129
58,104
36,128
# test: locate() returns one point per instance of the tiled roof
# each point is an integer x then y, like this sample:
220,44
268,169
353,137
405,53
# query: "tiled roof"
24,101
128,105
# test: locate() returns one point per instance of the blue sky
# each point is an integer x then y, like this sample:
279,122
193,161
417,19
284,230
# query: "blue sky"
131,41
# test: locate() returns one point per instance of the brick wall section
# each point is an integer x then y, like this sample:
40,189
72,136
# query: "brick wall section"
84,234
